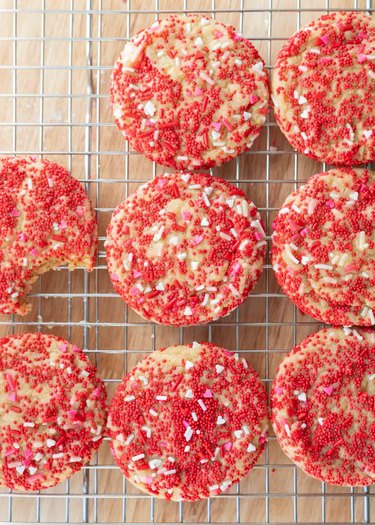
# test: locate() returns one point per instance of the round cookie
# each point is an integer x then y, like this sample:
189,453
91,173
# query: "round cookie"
323,89
188,422
188,92
52,411
185,249
323,409
324,247
46,220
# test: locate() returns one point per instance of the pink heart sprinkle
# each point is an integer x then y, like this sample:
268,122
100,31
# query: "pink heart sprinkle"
76,349
161,183
207,393
134,291
325,39
227,352
34,252
26,462
278,390
28,453
303,232
328,390
361,58
263,439
228,446
63,347
235,269
63,225
96,392
15,213
197,239
216,126
22,237
136,274
197,91
253,99
114,276
330,203
185,423
258,236
13,396
186,215
80,211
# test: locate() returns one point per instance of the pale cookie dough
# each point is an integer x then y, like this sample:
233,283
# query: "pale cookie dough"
323,406
188,92
324,247
46,220
323,89
52,411
185,249
188,422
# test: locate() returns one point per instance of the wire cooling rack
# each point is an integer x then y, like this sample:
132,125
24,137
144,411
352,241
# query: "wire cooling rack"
55,65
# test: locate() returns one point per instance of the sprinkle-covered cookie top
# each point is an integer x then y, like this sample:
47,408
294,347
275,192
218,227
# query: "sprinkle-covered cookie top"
324,246
52,411
323,406
46,220
188,92
185,248
323,89
188,422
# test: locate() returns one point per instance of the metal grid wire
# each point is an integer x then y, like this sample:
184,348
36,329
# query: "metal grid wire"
56,59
